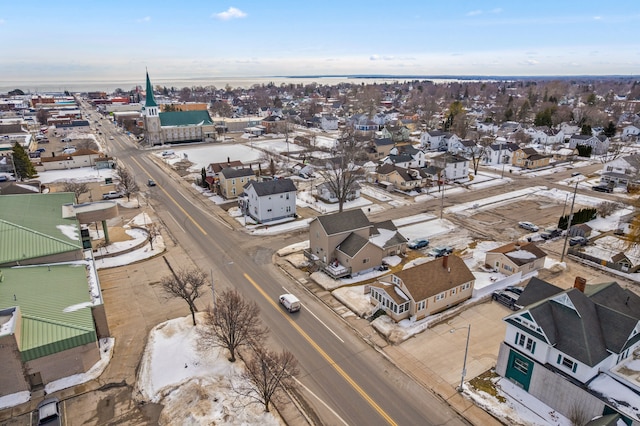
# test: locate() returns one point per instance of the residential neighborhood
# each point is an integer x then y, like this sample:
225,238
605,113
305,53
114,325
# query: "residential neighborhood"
324,195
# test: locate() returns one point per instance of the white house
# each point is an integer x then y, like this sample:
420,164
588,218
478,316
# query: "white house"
501,153
599,144
268,200
454,168
565,347
630,132
437,140
621,171
329,122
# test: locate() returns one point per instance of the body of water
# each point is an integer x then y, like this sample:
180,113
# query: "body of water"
218,82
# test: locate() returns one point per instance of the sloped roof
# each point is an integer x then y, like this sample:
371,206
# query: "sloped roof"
269,187
230,173
349,220
520,254
185,118
150,100
54,304
352,244
32,225
584,326
431,278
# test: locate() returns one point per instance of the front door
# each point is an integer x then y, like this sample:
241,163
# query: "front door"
519,369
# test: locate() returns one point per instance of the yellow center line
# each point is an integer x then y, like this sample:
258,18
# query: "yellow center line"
172,199
326,356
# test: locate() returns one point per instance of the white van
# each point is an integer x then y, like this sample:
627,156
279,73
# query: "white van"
290,302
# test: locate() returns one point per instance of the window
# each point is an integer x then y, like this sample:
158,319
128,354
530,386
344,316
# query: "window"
233,181
568,363
466,286
287,195
521,366
453,291
365,260
531,345
522,339
421,305
440,296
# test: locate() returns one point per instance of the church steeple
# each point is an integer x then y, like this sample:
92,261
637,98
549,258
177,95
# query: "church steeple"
150,100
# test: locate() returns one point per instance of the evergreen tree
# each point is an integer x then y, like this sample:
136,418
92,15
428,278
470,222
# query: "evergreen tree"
22,163
610,130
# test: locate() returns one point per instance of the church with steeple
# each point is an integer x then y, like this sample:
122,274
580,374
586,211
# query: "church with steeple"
174,126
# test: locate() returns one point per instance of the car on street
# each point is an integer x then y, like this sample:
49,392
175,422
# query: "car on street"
418,244
49,412
290,302
40,150
507,298
441,251
151,182
528,226
578,241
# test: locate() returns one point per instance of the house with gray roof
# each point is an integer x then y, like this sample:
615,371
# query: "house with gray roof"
268,200
513,258
599,144
576,348
622,171
347,243
231,181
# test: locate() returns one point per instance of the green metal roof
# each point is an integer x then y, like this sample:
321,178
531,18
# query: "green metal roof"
43,294
150,101
185,118
32,225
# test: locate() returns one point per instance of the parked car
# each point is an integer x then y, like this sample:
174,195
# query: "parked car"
112,195
516,290
602,188
418,244
507,298
441,251
41,150
550,234
528,226
578,240
49,412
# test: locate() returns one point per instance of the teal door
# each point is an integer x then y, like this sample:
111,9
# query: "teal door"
519,369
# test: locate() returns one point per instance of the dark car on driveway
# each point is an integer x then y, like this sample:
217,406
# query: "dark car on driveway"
507,298
550,234
441,251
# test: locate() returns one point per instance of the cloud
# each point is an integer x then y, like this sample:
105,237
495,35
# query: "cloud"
474,13
597,18
382,58
145,19
2,21
530,62
496,10
231,13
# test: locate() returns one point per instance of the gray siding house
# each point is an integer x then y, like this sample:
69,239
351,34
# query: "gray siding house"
269,200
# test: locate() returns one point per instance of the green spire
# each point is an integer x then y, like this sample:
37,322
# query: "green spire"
150,101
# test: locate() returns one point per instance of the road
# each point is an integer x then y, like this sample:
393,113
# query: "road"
352,383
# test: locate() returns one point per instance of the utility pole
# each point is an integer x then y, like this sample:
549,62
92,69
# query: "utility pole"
566,235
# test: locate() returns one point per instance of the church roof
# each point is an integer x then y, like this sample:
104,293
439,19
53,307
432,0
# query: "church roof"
150,100
185,118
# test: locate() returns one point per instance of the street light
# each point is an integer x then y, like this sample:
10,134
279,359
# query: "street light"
466,351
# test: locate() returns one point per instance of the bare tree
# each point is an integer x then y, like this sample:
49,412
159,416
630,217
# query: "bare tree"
153,230
341,173
78,188
185,284
267,374
127,183
233,322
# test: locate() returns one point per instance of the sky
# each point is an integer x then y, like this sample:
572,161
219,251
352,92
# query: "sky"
115,40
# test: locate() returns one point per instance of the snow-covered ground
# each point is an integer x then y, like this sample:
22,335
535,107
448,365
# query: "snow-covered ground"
195,386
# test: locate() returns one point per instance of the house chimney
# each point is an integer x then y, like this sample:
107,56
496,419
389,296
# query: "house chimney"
580,283
445,261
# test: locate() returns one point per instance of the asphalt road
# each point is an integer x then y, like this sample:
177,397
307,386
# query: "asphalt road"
351,382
